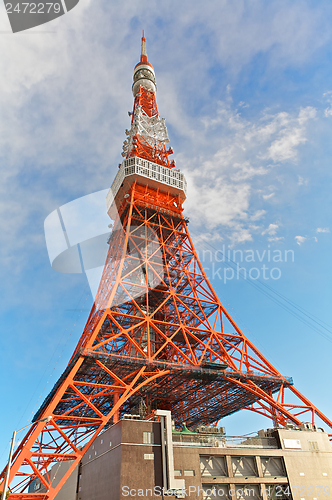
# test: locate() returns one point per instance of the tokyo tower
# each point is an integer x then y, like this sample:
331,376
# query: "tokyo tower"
157,335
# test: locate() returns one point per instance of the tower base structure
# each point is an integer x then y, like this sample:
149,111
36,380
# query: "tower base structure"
132,460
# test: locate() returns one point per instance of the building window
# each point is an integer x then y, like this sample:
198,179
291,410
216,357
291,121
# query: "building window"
244,466
273,466
216,492
148,437
177,473
189,473
213,465
278,491
248,492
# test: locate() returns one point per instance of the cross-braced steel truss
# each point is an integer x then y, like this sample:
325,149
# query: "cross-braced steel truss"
157,336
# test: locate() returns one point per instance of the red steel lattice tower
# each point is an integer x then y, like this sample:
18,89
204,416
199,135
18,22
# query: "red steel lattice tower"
157,335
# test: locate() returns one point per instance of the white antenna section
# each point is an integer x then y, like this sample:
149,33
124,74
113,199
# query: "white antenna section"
152,129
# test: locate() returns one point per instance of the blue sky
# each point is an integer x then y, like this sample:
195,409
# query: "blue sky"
246,91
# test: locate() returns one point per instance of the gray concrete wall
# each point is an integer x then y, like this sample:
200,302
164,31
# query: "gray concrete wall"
119,459
100,470
309,472
141,467
186,458
69,489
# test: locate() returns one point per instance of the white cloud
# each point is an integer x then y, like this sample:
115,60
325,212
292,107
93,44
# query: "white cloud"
223,185
300,239
291,135
247,171
276,238
240,234
258,215
271,230
218,202
302,181
328,97
268,196
212,237
322,230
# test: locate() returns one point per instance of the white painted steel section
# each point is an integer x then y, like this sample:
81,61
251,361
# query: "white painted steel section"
151,128
172,483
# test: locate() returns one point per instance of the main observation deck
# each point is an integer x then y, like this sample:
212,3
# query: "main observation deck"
146,173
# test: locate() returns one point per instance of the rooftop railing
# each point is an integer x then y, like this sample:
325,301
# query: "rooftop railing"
206,441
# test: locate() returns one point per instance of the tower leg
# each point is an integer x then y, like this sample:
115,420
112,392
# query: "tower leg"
116,413
79,413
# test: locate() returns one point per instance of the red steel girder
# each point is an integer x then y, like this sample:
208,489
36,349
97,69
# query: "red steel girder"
156,317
